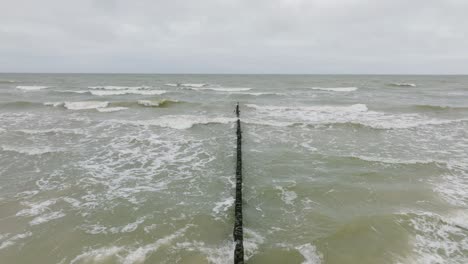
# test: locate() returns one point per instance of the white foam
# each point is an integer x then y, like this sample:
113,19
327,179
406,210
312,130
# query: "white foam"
151,103
287,197
99,255
32,88
219,254
139,255
31,150
195,85
310,254
111,87
172,84
35,208
47,217
357,113
85,105
12,240
180,121
222,89
52,130
124,92
111,109
54,104
437,240
404,84
223,206
336,89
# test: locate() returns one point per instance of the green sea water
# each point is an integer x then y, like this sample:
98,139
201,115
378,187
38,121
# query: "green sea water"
140,168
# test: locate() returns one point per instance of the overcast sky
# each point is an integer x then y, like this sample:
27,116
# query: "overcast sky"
229,36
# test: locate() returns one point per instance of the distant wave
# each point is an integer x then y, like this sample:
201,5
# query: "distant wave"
350,115
85,105
439,107
111,87
19,104
30,150
335,89
256,94
157,103
403,84
124,92
179,121
31,88
193,85
7,81
223,89
111,109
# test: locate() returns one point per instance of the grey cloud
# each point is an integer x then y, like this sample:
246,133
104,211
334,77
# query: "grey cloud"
275,36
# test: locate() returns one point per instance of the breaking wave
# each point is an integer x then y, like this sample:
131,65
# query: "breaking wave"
352,114
403,84
336,89
32,88
157,103
180,121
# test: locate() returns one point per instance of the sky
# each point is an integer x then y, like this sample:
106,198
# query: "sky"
229,36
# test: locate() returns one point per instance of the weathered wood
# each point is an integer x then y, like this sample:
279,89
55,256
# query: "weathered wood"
238,225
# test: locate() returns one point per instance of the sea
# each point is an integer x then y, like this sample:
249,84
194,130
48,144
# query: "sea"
140,168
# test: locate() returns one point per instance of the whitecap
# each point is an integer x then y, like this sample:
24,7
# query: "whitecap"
31,150
357,114
98,255
12,240
54,104
223,206
222,89
310,254
124,92
180,121
32,87
85,105
195,85
139,255
47,217
335,89
111,87
404,84
111,109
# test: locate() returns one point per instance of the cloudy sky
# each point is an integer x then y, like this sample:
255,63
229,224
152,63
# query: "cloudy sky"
235,36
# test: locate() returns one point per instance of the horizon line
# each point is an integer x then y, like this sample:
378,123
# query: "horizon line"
194,73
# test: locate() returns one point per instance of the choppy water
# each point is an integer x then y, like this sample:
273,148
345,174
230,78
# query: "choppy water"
137,169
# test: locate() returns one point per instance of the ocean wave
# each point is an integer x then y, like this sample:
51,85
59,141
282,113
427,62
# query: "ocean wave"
223,89
7,81
179,121
436,239
348,115
403,84
257,94
51,131
440,107
85,105
31,150
111,109
31,87
195,85
54,104
21,104
110,87
124,92
126,255
157,103
336,89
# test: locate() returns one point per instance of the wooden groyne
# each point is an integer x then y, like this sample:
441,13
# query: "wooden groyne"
238,227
